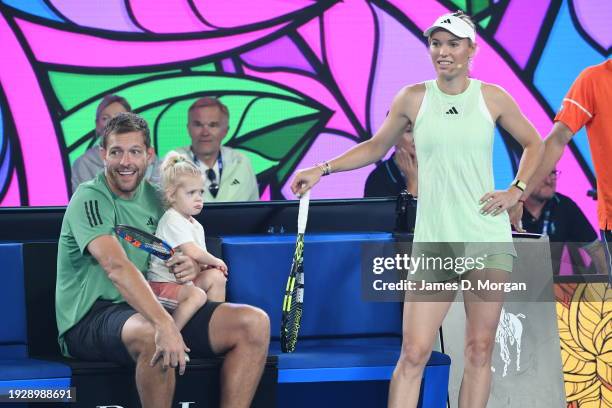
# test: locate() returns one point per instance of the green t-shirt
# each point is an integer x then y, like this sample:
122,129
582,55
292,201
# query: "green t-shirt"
93,211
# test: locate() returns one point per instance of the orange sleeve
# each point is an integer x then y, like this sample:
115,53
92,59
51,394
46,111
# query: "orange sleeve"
578,106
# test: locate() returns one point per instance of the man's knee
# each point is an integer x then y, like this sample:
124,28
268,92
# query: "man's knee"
138,335
255,325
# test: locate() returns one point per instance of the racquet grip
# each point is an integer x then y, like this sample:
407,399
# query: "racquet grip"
303,212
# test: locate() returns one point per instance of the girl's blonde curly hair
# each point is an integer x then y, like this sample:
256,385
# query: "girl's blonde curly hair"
173,168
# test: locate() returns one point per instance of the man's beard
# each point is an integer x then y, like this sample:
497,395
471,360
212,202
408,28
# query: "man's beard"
123,186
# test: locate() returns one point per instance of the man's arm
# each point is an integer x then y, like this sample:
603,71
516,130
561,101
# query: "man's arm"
554,145
576,111
132,285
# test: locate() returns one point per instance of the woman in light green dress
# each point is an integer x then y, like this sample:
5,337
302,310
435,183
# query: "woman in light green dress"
452,119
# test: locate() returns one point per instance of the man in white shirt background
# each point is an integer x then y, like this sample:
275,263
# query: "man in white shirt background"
228,174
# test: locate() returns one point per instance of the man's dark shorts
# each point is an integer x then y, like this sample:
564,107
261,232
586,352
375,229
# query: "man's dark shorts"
97,337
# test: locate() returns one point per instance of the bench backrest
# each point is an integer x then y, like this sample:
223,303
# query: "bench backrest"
12,302
333,304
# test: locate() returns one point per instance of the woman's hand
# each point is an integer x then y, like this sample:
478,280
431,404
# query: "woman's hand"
305,179
495,202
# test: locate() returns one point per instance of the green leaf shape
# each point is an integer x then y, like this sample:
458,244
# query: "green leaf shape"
171,130
484,23
158,89
285,170
462,4
151,115
278,142
72,89
260,164
210,67
265,112
236,105
479,5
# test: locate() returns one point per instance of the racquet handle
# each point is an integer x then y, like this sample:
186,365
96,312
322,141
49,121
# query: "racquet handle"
303,212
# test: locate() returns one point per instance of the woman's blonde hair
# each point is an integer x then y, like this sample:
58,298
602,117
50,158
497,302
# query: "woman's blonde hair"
465,18
173,168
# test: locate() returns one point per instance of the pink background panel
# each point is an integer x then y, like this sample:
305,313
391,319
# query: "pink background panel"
325,147
48,45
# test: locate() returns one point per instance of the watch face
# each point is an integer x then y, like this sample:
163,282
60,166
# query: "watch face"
520,184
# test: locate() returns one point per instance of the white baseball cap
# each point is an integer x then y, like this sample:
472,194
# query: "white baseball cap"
454,25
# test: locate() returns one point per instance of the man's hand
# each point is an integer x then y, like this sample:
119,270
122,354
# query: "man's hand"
183,267
516,217
407,163
169,347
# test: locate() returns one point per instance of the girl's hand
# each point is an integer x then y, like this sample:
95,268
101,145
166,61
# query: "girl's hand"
219,264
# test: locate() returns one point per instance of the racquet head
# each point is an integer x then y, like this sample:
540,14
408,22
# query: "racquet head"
293,302
145,241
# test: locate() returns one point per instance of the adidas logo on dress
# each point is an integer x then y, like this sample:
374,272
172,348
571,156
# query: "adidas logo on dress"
452,111
447,21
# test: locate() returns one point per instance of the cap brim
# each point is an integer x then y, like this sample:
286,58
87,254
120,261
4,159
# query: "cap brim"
433,28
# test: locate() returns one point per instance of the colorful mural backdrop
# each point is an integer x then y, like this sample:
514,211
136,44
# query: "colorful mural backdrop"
304,80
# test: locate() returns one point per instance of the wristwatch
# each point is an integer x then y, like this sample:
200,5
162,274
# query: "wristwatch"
521,185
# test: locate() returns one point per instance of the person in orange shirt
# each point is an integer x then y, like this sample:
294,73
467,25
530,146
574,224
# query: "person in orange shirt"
587,103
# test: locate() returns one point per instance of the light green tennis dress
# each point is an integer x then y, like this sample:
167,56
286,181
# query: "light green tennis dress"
453,135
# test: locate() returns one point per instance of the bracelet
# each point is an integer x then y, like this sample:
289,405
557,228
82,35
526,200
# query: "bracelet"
325,168
521,200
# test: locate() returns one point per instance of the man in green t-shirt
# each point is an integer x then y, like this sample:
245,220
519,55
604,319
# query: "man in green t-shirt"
105,309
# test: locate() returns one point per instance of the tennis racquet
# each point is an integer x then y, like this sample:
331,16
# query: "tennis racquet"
145,241
293,301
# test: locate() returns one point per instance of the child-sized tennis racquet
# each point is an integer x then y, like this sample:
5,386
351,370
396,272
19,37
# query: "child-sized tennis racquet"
293,301
145,241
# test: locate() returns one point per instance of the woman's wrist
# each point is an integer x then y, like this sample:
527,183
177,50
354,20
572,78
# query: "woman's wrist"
324,167
516,192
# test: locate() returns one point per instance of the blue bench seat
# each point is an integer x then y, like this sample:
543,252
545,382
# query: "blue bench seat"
343,338
17,369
